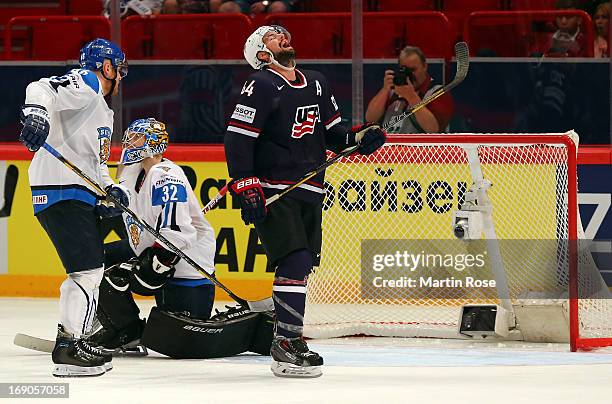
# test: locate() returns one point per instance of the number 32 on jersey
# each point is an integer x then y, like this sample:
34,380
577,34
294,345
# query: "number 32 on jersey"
168,192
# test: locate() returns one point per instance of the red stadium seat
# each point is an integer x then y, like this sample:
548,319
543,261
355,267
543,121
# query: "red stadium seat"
317,35
532,4
457,10
403,5
517,33
335,6
85,7
187,36
328,35
53,37
386,34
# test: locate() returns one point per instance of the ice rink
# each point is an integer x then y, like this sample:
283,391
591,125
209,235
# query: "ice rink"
357,370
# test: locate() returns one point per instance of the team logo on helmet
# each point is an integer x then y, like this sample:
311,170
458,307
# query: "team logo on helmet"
104,136
306,118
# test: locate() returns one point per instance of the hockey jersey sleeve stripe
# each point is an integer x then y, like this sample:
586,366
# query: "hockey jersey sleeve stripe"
333,118
334,121
243,126
242,131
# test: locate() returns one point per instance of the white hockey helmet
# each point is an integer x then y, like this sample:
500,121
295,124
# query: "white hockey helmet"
254,44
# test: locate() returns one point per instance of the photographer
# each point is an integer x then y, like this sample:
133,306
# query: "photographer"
404,87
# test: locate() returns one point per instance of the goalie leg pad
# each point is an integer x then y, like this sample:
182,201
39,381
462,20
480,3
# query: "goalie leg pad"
182,337
191,297
264,332
118,315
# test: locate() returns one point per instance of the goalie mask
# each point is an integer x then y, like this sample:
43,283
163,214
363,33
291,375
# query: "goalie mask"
255,44
142,139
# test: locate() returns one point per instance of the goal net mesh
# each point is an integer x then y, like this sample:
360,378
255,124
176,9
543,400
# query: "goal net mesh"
405,194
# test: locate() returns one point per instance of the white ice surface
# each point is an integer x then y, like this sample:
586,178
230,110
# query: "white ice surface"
357,370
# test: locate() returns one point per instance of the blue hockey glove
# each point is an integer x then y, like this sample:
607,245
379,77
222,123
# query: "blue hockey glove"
107,207
369,136
35,120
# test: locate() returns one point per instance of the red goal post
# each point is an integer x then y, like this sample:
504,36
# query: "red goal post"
533,196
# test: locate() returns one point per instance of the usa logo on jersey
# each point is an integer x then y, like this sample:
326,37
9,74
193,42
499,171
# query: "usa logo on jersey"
104,136
305,119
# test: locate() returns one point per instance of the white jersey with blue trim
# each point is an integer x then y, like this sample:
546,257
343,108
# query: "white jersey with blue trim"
164,199
81,126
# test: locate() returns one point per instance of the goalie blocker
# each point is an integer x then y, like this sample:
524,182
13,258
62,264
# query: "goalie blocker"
227,333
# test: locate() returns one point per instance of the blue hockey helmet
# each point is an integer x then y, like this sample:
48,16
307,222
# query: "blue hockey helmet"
95,52
143,138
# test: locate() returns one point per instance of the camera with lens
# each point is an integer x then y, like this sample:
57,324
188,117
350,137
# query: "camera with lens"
467,225
401,75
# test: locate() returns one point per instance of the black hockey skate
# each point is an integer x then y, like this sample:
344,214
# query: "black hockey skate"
72,360
122,342
106,356
292,358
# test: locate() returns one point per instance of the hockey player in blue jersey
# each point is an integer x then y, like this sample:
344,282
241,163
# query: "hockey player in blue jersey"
70,113
284,121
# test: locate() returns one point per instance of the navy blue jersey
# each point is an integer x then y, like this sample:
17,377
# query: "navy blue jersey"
280,130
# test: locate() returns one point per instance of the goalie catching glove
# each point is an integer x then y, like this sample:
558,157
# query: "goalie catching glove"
369,136
252,200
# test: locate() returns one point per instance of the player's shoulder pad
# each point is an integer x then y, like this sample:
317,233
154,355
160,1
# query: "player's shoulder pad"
89,78
77,80
168,184
312,75
260,81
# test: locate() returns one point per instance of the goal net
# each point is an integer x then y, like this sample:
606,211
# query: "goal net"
402,199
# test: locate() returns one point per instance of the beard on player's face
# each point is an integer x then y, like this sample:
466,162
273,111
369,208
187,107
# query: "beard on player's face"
285,57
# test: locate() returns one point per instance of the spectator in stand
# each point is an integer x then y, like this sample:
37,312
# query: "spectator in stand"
187,6
393,98
134,7
568,40
601,26
252,7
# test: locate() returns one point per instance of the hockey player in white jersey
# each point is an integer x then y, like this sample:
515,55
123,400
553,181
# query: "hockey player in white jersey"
70,114
162,197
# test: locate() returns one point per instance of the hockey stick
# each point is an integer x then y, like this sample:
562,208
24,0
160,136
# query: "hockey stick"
34,343
10,185
462,56
256,306
47,345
